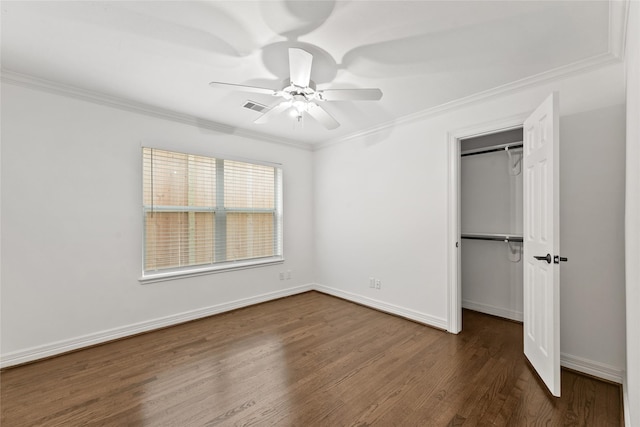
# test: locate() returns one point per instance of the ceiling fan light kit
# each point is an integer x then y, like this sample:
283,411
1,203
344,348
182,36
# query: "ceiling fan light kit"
300,94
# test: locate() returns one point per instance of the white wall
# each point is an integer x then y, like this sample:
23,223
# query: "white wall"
592,163
632,389
381,210
72,225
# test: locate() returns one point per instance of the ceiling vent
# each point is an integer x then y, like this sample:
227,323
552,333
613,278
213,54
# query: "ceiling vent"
255,106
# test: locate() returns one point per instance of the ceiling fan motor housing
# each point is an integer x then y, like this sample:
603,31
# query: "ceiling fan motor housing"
290,91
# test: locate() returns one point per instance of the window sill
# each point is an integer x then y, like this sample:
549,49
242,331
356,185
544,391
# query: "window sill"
222,268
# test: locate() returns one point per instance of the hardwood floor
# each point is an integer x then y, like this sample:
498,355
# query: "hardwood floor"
306,360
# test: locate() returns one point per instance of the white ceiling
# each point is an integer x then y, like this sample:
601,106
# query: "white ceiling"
422,54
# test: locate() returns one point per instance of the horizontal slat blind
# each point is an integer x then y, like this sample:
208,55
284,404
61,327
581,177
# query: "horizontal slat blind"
202,211
249,200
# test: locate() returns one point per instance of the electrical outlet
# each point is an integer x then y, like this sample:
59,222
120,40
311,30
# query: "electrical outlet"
288,274
378,283
282,275
372,282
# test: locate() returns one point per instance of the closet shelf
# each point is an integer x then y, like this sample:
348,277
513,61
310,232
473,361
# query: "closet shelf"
493,236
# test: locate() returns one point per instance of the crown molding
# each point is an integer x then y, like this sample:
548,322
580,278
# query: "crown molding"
563,72
32,82
618,17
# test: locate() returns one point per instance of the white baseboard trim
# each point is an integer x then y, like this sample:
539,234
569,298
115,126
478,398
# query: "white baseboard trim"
59,347
493,310
589,367
407,313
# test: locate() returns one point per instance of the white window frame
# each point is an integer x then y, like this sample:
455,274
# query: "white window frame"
220,220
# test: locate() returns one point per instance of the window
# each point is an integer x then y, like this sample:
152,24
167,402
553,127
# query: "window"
204,213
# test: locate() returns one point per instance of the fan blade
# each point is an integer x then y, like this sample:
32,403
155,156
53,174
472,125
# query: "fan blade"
322,116
272,112
350,94
300,67
245,88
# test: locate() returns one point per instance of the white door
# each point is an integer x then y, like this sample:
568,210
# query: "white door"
541,239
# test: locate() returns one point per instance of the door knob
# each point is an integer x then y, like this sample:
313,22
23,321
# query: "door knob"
558,258
546,257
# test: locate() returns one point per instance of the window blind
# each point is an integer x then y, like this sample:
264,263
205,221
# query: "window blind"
204,212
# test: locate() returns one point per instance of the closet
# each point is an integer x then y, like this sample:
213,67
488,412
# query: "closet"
491,223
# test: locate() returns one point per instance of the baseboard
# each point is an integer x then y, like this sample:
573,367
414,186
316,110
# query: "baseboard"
589,367
407,313
64,346
493,310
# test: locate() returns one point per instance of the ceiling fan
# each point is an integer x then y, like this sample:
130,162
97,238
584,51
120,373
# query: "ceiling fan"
300,94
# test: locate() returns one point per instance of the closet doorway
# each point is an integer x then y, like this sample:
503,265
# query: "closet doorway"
491,224
540,224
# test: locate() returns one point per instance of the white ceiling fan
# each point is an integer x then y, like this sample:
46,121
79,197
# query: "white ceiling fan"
300,94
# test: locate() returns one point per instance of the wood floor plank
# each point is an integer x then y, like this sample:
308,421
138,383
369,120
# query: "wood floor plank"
306,360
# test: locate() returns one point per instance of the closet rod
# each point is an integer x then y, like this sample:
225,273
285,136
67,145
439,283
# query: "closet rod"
495,237
491,149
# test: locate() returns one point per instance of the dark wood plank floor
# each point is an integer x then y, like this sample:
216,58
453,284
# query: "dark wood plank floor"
306,360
